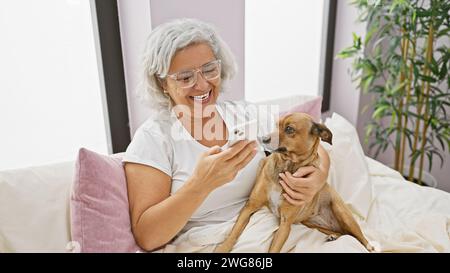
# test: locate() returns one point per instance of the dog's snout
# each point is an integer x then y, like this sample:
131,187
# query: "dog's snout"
265,139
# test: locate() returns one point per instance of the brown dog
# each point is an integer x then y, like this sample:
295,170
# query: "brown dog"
298,137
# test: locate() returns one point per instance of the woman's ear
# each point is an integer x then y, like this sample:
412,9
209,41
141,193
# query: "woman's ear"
162,83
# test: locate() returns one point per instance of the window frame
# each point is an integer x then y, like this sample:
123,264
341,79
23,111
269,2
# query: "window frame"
113,73
327,53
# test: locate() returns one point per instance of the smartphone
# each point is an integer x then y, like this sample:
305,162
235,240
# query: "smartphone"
244,131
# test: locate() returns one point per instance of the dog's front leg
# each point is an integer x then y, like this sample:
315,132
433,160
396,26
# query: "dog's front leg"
238,227
280,237
287,217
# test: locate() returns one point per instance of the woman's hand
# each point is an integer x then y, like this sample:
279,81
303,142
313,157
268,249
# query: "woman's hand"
306,182
303,185
216,167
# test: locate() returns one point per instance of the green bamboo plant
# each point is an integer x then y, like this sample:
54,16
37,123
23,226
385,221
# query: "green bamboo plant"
403,61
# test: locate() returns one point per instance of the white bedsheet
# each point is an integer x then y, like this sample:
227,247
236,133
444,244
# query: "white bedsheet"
396,214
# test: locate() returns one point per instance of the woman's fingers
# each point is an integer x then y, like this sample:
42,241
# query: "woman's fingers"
213,150
304,171
242,155
293,201
291,192
246,160
294,182
236,149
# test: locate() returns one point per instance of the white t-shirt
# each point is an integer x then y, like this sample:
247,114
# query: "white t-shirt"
163,143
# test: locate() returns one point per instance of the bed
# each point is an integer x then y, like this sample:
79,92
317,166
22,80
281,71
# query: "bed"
394,214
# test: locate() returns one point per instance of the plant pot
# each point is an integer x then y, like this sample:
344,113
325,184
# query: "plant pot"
427,178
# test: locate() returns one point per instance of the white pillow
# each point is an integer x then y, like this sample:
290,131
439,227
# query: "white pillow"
349,173
34,208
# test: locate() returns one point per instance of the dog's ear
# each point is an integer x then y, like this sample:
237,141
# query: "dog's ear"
322,131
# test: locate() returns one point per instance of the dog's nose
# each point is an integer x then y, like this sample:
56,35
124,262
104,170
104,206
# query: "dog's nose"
265,139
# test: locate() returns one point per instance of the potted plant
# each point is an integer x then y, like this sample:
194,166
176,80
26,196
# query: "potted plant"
403,63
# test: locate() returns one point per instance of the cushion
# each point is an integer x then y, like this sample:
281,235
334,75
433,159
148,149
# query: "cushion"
34,208
100,217
349,173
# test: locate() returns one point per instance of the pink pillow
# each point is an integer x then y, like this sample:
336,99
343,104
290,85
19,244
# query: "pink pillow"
100,218
312,107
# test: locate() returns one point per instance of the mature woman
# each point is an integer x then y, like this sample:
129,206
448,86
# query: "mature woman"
180,170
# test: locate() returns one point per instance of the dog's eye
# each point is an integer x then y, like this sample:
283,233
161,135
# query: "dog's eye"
289,130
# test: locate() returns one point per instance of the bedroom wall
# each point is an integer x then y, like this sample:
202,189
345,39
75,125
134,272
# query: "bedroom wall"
347,100
344,95
137,18
135,24
226,16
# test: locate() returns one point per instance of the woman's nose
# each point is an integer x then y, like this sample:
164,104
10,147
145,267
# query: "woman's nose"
201,83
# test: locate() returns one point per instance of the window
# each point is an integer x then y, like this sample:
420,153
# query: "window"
285,48
52,82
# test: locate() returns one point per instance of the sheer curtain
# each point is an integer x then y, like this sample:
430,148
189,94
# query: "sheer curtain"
51,101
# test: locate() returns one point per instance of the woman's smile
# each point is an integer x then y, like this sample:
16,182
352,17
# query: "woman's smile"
203,98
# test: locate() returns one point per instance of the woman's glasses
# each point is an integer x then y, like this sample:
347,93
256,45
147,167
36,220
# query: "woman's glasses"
188,78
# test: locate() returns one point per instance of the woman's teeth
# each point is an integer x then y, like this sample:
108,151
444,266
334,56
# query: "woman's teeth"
202,97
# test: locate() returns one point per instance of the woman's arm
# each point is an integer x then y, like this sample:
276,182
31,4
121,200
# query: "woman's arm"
156,215
306,181
324,162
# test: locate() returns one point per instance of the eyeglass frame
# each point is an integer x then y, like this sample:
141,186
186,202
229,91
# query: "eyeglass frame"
173,76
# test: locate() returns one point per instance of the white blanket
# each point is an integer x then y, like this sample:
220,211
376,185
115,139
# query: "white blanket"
397,215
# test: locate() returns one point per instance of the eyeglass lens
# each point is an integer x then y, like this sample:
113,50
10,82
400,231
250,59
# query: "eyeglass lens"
210,71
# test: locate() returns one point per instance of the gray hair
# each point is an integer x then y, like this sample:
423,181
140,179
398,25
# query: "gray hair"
164,42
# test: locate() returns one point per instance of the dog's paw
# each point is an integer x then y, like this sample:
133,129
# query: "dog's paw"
331,237
223,248
373,246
